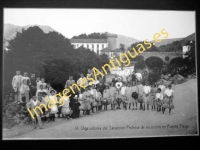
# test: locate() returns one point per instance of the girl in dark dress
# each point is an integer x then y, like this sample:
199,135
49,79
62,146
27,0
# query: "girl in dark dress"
76,107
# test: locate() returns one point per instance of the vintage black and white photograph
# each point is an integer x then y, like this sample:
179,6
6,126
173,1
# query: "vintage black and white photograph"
98,73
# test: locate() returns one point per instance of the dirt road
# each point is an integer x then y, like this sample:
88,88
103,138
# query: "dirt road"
126,123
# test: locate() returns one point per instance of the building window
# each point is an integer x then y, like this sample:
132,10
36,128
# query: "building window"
97,52
97,46
77,45
87,46
82,45
92,46
102,46
74,45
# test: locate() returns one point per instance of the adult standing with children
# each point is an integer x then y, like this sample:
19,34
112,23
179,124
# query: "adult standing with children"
16,84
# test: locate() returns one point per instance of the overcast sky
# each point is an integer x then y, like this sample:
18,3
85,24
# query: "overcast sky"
138,24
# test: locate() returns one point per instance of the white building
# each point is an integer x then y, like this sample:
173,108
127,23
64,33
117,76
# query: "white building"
95,45
186,48
111,53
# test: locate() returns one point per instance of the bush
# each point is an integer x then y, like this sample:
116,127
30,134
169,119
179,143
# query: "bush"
177,62
153,77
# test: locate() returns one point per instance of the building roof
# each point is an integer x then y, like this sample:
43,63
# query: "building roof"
106,50
88,40
117,50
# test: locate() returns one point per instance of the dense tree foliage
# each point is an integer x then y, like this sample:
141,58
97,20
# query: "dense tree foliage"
91,36
48,55
152,49
154,63
175,46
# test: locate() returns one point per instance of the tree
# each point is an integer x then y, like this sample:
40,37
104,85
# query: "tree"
177,62
140,65
91,36
154,63
48,55
152,49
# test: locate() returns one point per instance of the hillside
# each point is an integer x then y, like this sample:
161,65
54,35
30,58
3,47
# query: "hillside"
177,44
188,38
167,41
10,30
127,41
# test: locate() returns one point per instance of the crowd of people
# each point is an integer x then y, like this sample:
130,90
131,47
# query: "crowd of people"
96,97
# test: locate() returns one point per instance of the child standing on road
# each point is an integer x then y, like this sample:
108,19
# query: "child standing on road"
99,99
106,96
159,99
122,97
146,94
168,103
65,110
128,93
112,91
152,97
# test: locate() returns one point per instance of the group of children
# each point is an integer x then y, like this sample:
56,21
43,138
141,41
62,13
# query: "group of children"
97,96
130,94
